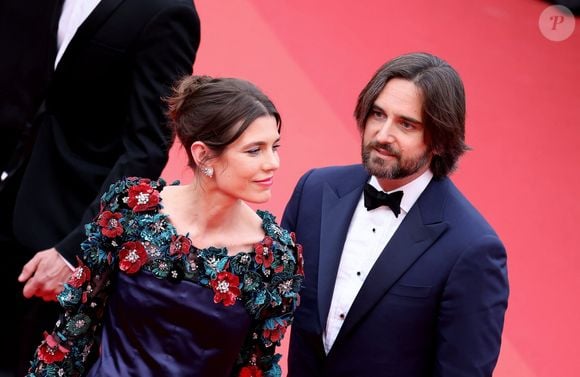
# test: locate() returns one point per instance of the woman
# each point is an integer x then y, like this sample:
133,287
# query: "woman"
186,280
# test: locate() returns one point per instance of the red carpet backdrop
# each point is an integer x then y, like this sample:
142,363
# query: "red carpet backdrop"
523,122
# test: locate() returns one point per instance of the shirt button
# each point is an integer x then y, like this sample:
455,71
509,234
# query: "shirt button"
341,315
358,273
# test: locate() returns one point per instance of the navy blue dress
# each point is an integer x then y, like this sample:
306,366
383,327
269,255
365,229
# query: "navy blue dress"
145,302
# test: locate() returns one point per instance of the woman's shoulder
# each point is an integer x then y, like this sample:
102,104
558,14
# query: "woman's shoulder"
282,242
273,229
137,193
130,207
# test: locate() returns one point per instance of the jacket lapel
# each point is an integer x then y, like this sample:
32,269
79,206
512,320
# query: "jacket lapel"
420,228
337,211
86,30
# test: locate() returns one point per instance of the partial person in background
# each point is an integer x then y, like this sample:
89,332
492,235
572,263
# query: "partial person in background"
26,27
28,53
572,5
102,119
403,276
186,280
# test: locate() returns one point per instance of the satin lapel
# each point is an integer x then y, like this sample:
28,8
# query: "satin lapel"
336,215
99,15
420,228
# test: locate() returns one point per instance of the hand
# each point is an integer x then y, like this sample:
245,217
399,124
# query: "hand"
44,275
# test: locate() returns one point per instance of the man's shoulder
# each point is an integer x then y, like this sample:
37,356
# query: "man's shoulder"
153,8
163,3
459,211
338,173
339,178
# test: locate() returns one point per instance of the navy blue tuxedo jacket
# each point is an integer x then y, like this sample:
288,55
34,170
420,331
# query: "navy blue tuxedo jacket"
433,303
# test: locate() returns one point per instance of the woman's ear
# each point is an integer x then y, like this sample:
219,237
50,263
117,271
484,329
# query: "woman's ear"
200,153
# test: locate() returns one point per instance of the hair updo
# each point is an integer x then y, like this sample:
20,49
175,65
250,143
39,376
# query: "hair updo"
215,111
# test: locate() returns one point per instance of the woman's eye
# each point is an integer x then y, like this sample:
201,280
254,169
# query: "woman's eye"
276,146
253,151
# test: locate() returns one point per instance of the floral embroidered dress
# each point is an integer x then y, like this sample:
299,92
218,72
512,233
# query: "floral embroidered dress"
145,302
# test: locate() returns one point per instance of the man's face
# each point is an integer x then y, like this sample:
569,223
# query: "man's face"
393,146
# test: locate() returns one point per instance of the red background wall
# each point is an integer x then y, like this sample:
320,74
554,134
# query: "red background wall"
313,58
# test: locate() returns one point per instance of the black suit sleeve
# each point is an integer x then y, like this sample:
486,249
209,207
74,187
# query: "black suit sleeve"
164,52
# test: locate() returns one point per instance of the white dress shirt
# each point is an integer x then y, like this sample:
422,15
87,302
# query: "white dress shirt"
368,234
74,13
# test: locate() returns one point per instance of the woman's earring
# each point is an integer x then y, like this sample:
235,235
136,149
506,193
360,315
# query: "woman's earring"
207,171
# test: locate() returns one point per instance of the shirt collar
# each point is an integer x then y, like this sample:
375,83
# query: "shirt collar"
411,191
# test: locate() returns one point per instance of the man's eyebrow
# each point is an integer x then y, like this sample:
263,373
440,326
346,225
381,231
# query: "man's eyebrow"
411,120
376,107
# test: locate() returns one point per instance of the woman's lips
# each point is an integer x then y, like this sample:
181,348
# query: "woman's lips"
266,182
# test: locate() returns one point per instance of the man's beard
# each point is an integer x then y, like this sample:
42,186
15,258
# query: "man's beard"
401,168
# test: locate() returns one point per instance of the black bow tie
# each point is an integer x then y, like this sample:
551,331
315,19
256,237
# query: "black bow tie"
375,198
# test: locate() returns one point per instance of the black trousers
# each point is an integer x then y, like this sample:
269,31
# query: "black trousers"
26,318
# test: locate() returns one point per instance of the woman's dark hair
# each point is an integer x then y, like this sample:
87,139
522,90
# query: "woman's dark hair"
443,104
215,111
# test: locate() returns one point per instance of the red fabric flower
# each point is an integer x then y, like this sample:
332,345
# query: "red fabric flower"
293,236
275,334
132,256
50,351
268,241
110,225
300,261
250,371
143,197
264,254
81,274
226,287
179,245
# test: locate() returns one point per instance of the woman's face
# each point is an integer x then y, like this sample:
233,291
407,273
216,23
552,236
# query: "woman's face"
245,170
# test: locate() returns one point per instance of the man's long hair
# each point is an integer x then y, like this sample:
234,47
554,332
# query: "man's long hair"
443,109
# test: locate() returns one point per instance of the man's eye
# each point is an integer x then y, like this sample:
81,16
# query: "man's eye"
378,114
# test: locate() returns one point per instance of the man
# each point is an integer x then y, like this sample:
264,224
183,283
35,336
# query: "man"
25,67
102,119
411,289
